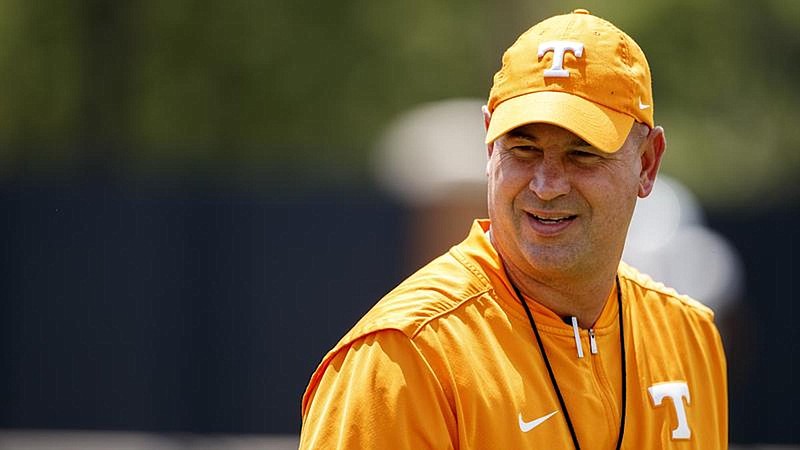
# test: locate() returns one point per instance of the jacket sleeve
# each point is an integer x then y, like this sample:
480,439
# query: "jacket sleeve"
377,392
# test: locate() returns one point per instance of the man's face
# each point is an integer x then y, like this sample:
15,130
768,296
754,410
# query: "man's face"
559,206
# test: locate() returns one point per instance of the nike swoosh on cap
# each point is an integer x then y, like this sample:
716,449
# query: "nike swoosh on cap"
528,426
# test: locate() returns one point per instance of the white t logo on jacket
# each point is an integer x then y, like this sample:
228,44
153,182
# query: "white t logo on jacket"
676,391
558,48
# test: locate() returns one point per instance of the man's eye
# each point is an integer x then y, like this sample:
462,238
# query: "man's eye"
584,156
524,150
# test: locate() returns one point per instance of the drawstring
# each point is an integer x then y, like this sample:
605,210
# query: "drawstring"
577,336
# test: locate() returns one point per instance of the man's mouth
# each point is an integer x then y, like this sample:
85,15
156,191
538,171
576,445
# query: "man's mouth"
552,219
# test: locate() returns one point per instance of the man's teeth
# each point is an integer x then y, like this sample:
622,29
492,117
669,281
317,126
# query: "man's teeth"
551,219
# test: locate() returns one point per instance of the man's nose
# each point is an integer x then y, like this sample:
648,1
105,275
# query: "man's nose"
549,180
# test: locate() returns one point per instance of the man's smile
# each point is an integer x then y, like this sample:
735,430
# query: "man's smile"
551,218
549,223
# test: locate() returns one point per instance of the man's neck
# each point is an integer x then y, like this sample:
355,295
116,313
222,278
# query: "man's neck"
583,297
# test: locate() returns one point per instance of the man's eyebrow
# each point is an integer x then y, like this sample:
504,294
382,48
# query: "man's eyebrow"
578,142
522,134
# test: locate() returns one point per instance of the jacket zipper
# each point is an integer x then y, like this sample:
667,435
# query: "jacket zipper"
592,342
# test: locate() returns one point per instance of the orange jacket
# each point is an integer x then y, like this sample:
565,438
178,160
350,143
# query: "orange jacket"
448,360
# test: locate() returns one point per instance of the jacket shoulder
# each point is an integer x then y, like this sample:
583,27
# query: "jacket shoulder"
653,291
437,289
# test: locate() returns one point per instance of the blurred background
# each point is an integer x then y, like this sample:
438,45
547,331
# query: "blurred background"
198,198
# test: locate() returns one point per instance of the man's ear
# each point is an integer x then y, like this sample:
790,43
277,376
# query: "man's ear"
653,150
487,117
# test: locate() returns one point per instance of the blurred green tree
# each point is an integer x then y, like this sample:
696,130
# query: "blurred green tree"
252,90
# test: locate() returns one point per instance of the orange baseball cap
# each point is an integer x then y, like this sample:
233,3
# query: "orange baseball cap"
576,71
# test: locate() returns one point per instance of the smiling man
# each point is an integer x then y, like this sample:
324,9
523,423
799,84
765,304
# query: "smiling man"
532,333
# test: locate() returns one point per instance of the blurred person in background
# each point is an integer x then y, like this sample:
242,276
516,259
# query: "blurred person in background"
532,333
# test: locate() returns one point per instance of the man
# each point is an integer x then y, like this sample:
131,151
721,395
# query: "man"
532,333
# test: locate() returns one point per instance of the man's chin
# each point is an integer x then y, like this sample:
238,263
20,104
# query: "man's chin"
555,259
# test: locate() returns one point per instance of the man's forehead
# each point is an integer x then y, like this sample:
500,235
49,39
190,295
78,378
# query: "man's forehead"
535,131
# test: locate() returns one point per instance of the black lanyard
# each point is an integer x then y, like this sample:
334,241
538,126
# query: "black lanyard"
553,377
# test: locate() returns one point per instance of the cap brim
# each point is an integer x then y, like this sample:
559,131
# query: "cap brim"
598,125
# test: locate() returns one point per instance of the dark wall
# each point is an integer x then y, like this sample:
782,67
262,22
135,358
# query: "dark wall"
208,313
761,335
193,313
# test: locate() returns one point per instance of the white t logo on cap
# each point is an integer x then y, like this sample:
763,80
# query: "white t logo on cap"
558,48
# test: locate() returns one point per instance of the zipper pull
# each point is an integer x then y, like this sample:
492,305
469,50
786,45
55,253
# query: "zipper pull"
577,336
592,341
